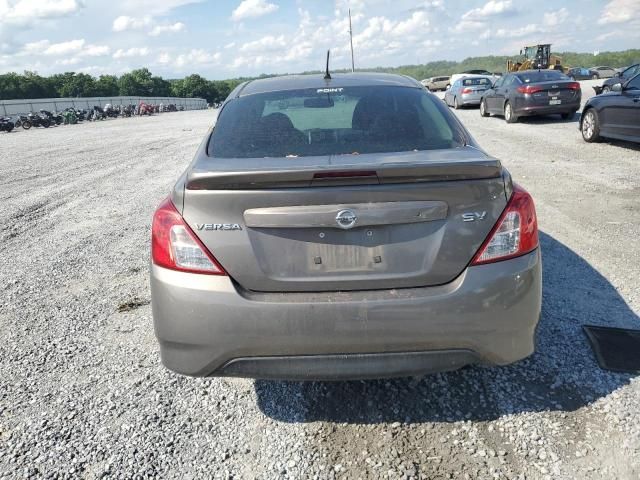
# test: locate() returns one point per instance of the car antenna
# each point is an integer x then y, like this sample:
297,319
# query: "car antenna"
327,75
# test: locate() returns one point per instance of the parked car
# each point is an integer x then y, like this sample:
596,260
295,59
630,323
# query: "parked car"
618,79
579,73
602,72
615,114
436,83
532,92
467,73
324,242
467,91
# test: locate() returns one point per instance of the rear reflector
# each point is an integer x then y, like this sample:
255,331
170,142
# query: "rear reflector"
515,233
175,246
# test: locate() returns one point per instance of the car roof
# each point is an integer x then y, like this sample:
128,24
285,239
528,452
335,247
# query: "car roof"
535,70
338,80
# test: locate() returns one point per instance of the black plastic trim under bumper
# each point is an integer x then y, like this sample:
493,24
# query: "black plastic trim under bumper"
348,366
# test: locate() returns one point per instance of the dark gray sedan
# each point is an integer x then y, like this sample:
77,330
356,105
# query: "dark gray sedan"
532,92
615,114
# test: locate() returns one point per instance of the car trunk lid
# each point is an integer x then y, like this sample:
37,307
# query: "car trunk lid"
348,222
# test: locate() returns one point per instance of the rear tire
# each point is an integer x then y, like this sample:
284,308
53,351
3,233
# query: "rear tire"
509,115
483,108
456,104
606,89
590,127
46,123
26,124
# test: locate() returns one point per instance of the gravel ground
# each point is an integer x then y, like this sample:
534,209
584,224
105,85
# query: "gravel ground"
83,394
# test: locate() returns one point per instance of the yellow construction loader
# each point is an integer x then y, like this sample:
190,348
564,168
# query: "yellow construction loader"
536,57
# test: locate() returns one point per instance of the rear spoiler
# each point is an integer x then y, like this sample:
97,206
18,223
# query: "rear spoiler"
334,176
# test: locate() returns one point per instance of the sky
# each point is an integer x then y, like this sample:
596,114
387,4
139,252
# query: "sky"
230,38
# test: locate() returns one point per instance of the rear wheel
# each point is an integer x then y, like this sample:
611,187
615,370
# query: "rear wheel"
590,127
606,89
26,124
483,108
46,123
509,116
456,104
595,76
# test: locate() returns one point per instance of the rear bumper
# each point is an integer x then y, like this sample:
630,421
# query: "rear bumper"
207,326
470,98
526,108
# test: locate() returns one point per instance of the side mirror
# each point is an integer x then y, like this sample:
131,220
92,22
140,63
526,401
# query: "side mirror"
616,88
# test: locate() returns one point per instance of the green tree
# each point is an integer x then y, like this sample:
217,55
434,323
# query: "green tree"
11,86
161,87
136,83
72,84
107,86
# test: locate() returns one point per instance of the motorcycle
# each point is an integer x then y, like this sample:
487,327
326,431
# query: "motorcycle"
111,111
97,114
54,118
37,120
81,114
22,121
6,125
70,117
145,109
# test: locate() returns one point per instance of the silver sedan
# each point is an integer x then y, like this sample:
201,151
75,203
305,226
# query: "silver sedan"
467,91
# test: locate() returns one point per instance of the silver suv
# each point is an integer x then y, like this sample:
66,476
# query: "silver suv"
342,228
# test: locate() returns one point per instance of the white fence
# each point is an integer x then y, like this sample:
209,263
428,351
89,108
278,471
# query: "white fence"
14,107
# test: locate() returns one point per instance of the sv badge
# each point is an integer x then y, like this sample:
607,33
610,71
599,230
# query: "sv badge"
473,216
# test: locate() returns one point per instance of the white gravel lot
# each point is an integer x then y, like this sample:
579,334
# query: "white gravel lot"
83,393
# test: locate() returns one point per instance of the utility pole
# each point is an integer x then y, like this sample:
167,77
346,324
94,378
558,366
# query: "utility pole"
353,66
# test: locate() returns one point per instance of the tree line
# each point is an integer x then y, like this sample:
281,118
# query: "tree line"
139,82
499,63
142,82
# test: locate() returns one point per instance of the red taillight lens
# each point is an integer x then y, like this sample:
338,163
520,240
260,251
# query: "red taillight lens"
515,233
574,86
175,246
466,90
529,89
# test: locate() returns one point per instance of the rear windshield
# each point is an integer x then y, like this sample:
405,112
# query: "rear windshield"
542,76
469,82
351,120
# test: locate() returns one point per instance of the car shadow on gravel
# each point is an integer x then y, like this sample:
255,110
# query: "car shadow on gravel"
561,376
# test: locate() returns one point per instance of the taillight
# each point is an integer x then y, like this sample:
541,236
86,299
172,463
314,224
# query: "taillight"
515,233
466,90
175,246
529,89
574,86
